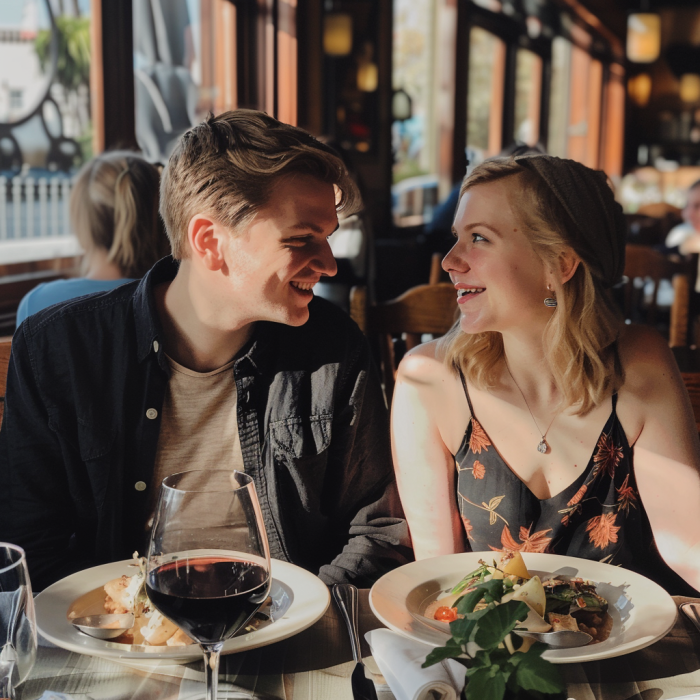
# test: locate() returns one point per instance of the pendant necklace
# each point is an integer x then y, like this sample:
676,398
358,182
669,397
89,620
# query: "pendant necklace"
543,445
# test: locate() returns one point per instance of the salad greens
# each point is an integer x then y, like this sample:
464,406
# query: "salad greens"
482,642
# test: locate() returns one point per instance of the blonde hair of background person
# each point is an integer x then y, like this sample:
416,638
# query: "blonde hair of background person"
114,213
515,241
114,210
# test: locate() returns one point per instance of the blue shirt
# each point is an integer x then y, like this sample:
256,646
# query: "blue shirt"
50,293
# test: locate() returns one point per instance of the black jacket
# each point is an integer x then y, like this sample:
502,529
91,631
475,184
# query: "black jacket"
85,390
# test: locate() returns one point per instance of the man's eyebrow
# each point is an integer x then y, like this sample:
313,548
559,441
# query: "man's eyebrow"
304,226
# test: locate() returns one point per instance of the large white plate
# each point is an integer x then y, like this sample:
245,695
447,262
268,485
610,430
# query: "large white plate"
642,611
299,600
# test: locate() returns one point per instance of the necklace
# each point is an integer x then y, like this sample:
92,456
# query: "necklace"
543,445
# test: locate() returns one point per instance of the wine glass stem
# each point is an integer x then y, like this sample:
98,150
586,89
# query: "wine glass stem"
212,653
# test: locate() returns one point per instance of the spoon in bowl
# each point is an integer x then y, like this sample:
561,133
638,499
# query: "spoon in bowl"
104,626
564,639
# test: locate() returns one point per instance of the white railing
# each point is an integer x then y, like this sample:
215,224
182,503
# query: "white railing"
32,208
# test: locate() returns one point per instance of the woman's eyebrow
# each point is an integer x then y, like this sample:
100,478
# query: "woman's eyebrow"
478,224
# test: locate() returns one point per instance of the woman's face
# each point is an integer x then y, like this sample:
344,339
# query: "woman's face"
501,283
691,212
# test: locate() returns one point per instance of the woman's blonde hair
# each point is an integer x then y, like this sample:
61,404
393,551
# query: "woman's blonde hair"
580,340
114,206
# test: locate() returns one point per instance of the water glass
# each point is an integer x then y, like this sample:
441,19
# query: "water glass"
18,637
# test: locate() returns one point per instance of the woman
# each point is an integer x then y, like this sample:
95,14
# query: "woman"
580,438
114,211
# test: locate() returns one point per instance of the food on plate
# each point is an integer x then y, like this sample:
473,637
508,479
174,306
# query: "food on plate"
558,603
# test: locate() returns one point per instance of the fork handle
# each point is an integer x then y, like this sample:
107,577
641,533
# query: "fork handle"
346,598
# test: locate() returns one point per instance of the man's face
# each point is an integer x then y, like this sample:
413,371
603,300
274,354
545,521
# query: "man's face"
691,213
273,263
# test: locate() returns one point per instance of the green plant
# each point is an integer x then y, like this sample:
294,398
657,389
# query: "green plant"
481,641
73,66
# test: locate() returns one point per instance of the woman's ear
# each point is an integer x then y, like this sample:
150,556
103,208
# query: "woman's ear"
568,264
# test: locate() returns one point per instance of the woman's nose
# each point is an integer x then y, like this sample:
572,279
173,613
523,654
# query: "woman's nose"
455,260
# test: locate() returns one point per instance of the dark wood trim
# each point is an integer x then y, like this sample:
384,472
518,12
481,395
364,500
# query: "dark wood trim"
459,138
118,74
508,121
545,95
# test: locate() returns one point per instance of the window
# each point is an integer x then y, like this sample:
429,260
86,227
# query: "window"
487,59
528,93
414,139
559,97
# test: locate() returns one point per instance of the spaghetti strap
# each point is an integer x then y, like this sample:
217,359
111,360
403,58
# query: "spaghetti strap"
466,392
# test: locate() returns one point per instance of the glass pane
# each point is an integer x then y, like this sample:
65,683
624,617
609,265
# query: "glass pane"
414,56
184,67
528,91
487,57
559,97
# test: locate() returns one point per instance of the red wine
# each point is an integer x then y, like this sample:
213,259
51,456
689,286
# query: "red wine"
210,598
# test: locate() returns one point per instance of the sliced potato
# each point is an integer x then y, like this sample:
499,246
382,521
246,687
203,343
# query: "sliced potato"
531,593
516,566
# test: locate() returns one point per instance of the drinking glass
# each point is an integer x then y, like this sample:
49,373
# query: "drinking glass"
208,565
17,620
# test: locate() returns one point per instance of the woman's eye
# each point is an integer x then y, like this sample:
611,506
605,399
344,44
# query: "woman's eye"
476,237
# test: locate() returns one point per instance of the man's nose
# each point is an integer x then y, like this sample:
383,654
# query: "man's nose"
324,262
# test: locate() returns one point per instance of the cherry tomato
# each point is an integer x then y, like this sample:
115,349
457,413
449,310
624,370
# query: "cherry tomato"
446,614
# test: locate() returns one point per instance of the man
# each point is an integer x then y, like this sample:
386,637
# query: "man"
218,358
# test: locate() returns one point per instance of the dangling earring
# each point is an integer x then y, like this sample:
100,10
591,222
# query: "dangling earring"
551,302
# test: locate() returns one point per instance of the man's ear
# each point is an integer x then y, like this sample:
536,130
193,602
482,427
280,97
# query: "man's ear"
205,238
568,264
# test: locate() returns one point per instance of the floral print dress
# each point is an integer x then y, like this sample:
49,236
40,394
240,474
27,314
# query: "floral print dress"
599,516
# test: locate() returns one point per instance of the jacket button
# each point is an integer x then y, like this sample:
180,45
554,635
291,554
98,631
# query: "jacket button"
152,414
140,485
155,346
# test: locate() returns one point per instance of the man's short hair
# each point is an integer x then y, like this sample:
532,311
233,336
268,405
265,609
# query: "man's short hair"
227,167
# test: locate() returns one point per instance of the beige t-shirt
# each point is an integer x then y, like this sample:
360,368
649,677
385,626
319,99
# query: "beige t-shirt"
199,427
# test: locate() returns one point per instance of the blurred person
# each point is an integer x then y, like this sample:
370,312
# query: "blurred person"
541,422
220,357
114,212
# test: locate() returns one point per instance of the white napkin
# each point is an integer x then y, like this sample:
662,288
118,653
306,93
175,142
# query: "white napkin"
399,659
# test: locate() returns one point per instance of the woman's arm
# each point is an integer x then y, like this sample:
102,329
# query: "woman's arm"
666,453
425,469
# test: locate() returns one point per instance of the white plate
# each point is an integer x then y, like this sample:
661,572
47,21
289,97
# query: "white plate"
641,610
299,599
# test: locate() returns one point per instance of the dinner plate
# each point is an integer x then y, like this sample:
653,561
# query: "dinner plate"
641,610
298,600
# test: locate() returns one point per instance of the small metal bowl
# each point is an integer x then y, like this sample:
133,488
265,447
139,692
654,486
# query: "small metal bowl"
104,626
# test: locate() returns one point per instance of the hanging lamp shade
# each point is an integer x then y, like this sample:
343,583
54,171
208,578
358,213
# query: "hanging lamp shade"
690,87
643,37
337,34
639,89
367,76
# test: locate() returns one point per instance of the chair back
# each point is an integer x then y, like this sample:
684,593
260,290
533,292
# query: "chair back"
692,385
437,274
427,308
5,346
646,263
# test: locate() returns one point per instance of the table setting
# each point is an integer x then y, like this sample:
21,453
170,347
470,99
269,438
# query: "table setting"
212,615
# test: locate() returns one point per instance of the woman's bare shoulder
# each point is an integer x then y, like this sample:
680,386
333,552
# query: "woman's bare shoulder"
645,356
425,365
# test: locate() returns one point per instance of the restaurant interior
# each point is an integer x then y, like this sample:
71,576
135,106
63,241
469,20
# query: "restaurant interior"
412,94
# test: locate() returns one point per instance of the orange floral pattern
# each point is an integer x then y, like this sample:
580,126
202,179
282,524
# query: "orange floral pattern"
602,530
599,516
607,457
479,440
537,542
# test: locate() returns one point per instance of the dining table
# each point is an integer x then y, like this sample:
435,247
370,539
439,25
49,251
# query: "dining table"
316,664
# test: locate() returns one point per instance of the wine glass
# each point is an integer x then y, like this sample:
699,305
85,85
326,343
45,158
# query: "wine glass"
17,621
208,565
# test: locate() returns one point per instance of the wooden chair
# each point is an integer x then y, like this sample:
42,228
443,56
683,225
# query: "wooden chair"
427,308
437,274
645,263
692,384
5,345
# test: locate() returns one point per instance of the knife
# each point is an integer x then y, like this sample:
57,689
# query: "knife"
346,598
692,611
